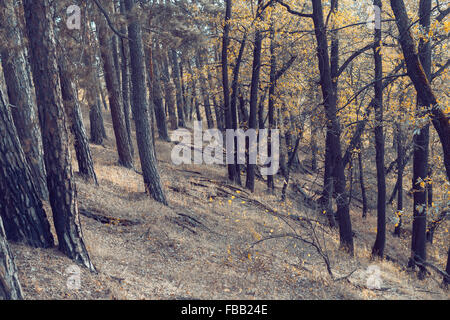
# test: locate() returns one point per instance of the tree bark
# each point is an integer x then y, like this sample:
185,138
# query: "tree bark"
124,55
420,80
178,91
254,87
204,91
60,182
330,101
75,121
21,95
10,288
20,206
140,108
232,172
271,103
158,103
380,241
115,99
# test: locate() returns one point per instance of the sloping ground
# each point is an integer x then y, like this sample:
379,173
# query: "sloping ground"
214,241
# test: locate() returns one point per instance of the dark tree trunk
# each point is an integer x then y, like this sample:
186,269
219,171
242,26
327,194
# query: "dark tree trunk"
380,241
124,54
60,182
361,183
75,121
20,206
232,170
420,80
96,123
21,96
446,281
102,97
233,104
330,101
169,92
273,67
115,99
140,108
420,154
399,185
10,288
160,115
243,112
204,91
219,110
254,86
186,105
194,93
313,146
178,91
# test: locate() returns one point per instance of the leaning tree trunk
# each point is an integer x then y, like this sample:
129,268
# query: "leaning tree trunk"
140,108
75,121
21,95
380,241
115,99
20,206
10,288
60,182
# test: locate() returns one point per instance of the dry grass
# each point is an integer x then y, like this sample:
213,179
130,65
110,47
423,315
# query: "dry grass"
170,256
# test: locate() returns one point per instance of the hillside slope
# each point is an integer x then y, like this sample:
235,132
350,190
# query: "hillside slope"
214,241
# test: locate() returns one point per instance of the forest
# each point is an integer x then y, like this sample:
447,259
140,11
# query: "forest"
224,149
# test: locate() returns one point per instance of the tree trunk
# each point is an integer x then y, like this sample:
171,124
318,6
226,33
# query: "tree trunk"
400,167
380,241
273,67
115,99
420,80
361,183
124,54
60,182
204,91
21,96
20,206
420,155
254,86
96,123
178,92
232,172
75,121
169,91
330,101
10,288
140,108
158,103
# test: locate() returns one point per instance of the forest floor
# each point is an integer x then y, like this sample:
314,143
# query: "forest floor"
203,245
